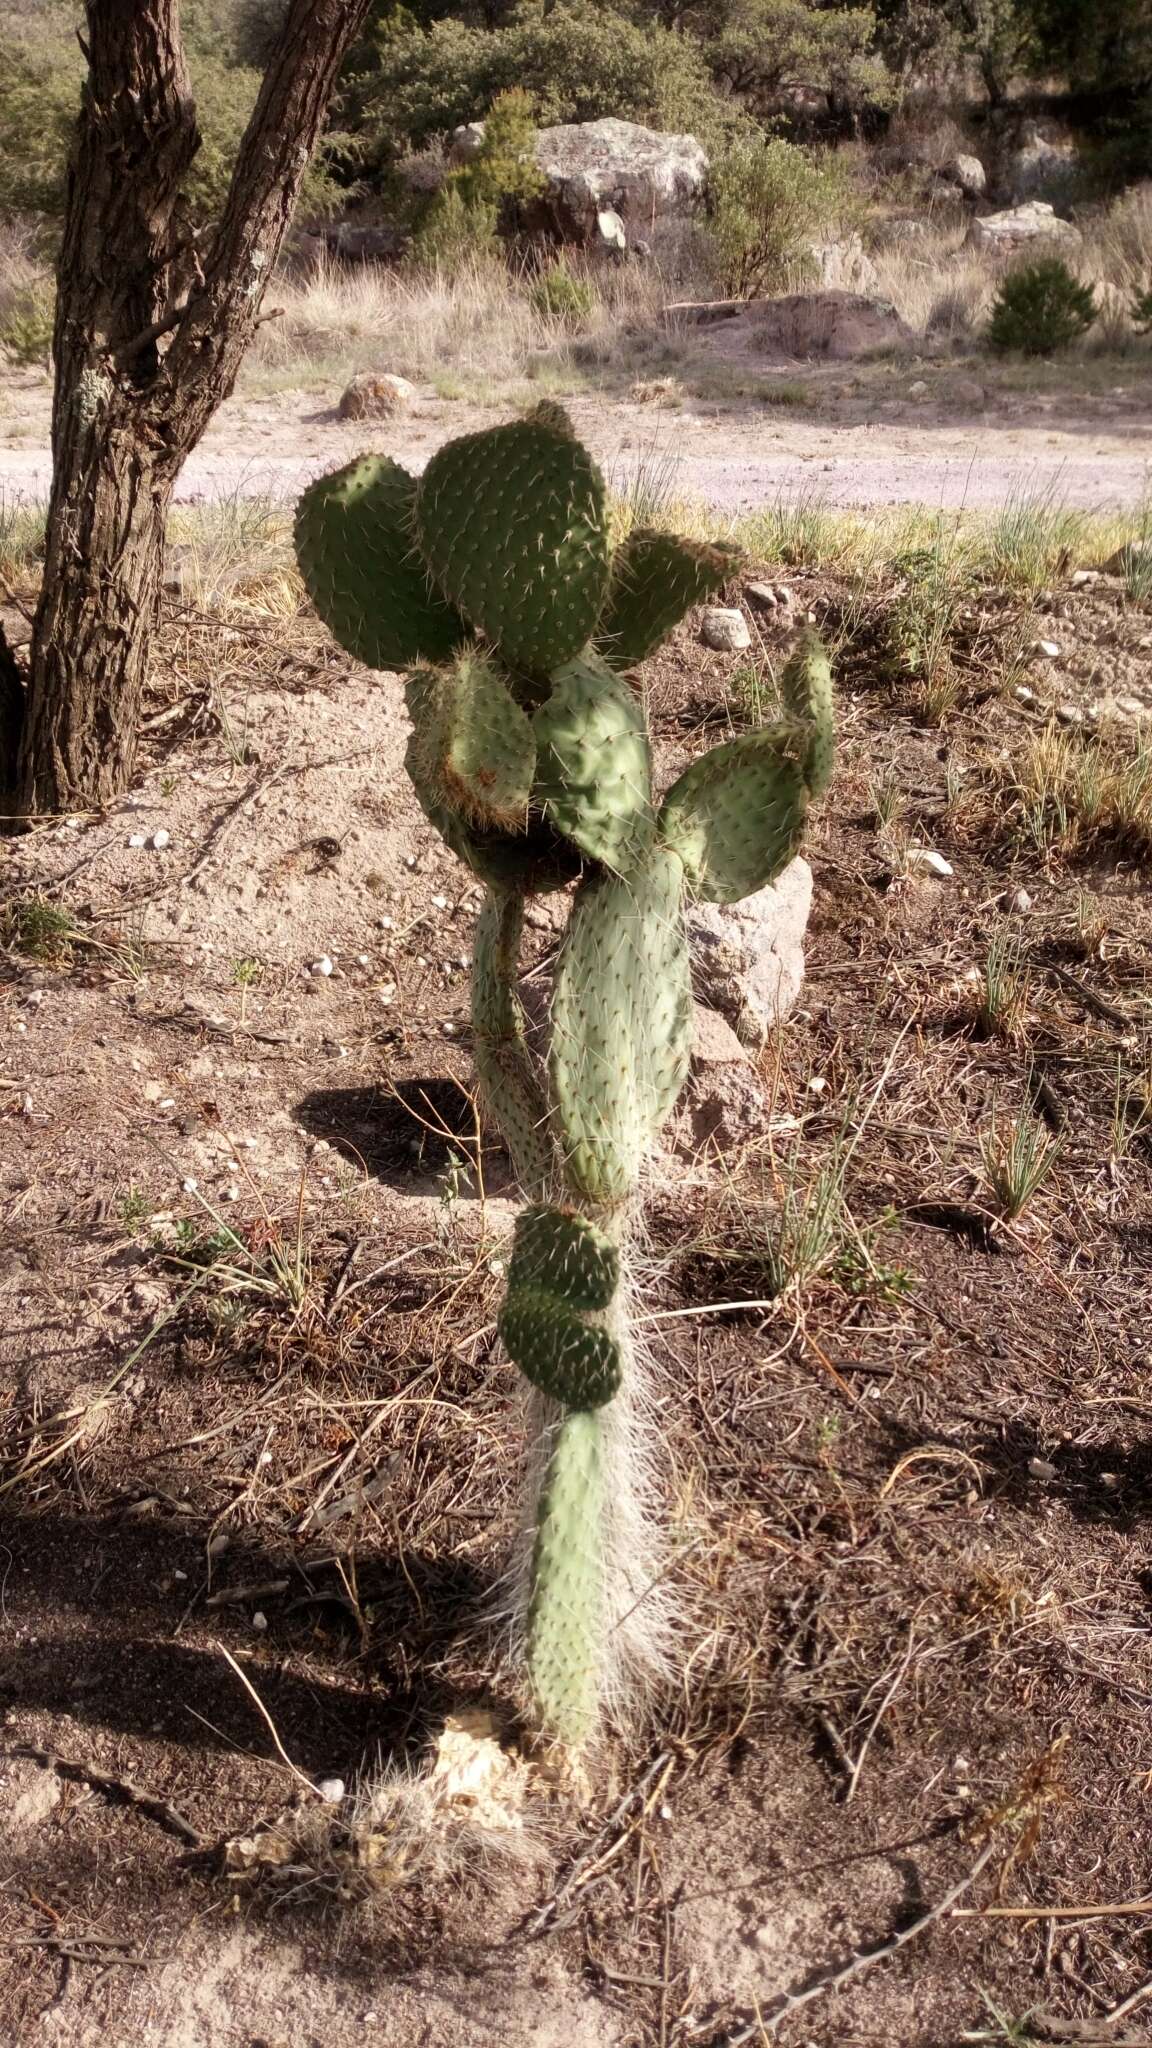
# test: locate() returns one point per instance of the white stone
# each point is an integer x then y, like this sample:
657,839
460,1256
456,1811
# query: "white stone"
748,958
137,839
1018,901
725,631
918,389
331,1791
321,966
927,857
161,839
1050,649
1021,227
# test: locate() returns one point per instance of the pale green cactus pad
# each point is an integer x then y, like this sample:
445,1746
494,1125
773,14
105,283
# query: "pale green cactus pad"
736,816
513,524
656,578
806,688
594,776
566,1602
481,747
358,557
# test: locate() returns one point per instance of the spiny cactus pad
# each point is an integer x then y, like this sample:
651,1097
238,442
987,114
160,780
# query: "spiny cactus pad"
483,746
621,1020
806,688
736,815
594,777
537,859
566,1255
511,1083
358,557
656,578
513,524
565,1610
572,1361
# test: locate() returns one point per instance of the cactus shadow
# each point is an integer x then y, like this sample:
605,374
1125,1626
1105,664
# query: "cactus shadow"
412,1137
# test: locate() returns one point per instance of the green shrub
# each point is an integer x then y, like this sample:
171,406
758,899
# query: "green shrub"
452,232
464,217
558,295
1040,309
26,324
769,201
1142,311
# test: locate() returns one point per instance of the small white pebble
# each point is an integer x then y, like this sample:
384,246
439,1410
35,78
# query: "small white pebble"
179,1575
449,1030
1023,694
137,839
161,839
1018,900
189,1186
322,966
927,857
361,959
265,1458
496,1268
331,1791
232,1193
386,924
1050,649
409,860
259,1621
420,960
439,903
249,1144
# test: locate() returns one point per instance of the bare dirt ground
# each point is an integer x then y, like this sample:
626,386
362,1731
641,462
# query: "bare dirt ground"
251,1399
931,433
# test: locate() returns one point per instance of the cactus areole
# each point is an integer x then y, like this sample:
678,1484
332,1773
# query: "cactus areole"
493,581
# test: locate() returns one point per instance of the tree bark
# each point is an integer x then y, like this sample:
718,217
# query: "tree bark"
149,337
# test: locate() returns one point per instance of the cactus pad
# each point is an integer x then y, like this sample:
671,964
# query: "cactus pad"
806,687
482,750
564,1254
656,578
511,1083
575,1362
736,815
536,859
621,1023
358,557
594,777
565,1613
513,524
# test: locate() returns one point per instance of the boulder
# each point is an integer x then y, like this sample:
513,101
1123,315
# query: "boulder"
376,395
725,1102
598,167
748,958
1041,168
844,266
725,630
965,174
840,326
467,141
1026,227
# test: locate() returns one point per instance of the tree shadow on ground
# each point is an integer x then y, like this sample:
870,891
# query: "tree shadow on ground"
409,1137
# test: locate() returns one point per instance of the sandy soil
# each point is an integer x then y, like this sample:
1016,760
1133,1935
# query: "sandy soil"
863,441
910,1504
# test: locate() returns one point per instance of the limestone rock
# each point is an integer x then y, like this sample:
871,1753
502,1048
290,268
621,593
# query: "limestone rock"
725,630
1026,227
838,326
966,174
726,1104
376,395
748,958
598,167
844,266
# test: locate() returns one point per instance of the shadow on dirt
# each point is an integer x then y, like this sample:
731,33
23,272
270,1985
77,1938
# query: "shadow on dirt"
421,1129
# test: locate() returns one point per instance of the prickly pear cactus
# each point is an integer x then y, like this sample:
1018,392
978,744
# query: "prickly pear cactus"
494,579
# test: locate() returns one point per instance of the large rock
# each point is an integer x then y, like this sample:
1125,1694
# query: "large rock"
725,1100
1031,226
844,266
966,174
376,395
748,958
1042,167
597,167
840,326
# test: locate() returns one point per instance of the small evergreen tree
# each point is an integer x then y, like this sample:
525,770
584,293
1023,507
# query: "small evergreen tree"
1040,309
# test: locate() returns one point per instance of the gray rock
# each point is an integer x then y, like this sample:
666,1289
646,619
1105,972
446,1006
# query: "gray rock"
966,174
726,1104
748,958
1043,167
724,630
467,141
844,266
774,600
838,326
594,167
1022,227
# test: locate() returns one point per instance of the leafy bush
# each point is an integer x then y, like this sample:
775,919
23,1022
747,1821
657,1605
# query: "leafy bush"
559,295
1142,311
463,217
26,324
453,232
768,202
1040,309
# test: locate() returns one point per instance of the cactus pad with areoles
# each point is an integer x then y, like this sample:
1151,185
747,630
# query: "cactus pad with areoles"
357,553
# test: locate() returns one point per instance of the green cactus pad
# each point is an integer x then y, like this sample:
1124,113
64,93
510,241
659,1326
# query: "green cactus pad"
574,1362
513,524
656,578
560,1253
566,1607
535,860
482,747
593,776
736,815
359,560
621,1022
806,688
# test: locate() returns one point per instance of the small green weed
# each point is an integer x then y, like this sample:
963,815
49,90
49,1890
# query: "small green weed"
1017,1162
1004,990
44,930
558,294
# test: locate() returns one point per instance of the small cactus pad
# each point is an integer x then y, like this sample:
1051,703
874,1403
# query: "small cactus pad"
359,560
736,815
565,1630
511,1082
564,1254
537,859
621,1022
656,578
513,523
806,688
484,746
594,777
572,1361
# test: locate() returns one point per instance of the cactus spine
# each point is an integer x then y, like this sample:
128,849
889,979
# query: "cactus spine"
530,754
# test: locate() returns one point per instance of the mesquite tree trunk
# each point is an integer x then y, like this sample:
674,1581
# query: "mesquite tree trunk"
152,321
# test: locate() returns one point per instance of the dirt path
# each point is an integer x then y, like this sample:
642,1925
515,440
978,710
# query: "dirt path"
862,443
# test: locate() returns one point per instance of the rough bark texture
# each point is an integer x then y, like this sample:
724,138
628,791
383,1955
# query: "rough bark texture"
151,327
